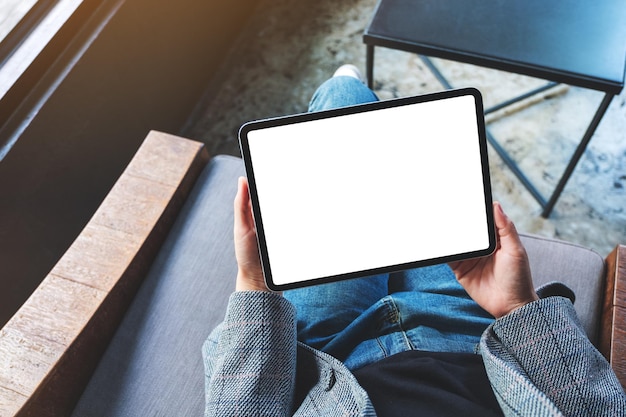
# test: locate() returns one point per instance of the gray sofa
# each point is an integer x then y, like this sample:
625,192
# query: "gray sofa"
153,365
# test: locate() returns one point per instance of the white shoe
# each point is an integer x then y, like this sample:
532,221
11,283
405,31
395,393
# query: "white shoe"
349,70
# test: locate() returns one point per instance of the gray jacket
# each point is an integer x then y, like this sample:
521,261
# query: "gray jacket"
538,360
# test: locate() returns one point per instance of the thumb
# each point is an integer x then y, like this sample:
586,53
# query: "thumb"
243,215
508,237
505,227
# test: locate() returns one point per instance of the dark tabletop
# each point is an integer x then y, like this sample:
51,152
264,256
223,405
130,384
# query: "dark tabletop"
580,42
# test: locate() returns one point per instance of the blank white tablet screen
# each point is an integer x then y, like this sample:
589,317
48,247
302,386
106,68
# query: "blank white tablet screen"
370,190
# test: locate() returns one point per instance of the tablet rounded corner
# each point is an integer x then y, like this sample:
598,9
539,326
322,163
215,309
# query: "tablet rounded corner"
493,242
473,91
244,128
492,248
272,286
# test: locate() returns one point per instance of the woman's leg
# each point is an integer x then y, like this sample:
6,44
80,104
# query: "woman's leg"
424,309
341,91
436,311
326,311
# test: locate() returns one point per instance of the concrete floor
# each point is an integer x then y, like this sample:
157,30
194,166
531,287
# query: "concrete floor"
291,46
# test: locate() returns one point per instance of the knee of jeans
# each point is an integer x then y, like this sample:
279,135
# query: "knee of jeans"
340,92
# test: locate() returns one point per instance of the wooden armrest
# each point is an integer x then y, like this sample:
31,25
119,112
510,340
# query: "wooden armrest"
51,346
613,326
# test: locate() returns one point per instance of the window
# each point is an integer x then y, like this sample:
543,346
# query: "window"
17,19
11,13
27,49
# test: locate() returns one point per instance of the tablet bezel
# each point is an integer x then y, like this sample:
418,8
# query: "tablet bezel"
368,107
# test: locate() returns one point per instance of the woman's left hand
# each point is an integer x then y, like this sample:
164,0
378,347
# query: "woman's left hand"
250,273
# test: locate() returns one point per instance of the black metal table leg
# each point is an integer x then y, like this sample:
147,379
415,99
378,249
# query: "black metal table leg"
515,169
369,65
604,105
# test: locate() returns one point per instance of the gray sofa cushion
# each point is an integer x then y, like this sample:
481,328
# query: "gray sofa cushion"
579,268
153,366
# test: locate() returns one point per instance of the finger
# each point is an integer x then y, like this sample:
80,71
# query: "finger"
238,203
506,227
243,187
242,206
462,268
508,237
249,218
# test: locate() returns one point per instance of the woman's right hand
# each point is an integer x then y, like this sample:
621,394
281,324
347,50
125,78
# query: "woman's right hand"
501,282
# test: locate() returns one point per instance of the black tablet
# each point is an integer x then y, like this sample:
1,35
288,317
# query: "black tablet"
368,189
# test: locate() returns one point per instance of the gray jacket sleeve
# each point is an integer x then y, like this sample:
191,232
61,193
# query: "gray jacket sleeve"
250,367
251,370
540,362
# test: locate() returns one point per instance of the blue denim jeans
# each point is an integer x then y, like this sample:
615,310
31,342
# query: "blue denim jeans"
361,321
